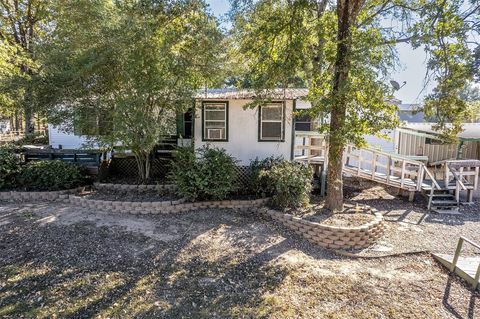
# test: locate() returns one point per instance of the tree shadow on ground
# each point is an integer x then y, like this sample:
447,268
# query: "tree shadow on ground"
454,283
81,270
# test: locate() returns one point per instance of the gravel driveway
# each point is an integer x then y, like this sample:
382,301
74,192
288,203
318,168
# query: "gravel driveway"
411,227
58,261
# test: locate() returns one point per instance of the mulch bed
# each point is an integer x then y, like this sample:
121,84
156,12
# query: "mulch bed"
131,196
344,219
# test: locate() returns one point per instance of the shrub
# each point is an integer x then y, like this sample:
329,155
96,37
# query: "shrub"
9,166
259,184
208,174
290,183
51,175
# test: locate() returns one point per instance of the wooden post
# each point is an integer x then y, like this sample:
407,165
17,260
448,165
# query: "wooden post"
389,168
402,174
323,179
411,196
457,254
420,176
359,161
374,164
477,278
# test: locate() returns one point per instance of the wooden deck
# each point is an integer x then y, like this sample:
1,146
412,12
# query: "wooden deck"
467,267
398,171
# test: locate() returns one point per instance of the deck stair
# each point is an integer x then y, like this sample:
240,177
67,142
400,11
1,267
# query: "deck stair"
441,201
402,172
467,267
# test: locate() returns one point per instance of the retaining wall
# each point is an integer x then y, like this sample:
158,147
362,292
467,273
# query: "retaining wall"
14,196
164,207
332,237
137,188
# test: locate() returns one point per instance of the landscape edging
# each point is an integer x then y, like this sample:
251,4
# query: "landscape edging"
332,237
163,207
131,187
49,196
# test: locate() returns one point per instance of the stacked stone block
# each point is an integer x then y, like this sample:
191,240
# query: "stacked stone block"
14,196
163,207
136,188
332,237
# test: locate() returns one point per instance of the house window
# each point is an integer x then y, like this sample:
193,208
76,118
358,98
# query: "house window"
215,118
188,124
272,122
303,123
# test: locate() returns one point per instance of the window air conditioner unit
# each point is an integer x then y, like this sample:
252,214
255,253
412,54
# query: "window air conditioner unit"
214,133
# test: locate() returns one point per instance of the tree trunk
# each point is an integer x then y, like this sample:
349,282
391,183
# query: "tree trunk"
143,165
347,11
28,120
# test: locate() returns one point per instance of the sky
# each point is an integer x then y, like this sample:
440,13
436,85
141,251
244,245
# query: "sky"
412,70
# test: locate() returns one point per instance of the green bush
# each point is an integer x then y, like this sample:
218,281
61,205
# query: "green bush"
9,166
259,184
290,183
208,174
51,175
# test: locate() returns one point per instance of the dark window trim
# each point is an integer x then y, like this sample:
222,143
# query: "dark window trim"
284,106
204,139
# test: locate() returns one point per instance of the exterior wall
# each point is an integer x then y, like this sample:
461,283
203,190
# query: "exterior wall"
243,140
411,144
58,136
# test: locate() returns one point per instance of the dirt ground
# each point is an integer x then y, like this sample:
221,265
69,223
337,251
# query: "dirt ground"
411,228
58,261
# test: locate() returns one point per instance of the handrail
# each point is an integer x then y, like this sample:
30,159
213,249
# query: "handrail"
457,255
474,244
392,155
457,178
434,181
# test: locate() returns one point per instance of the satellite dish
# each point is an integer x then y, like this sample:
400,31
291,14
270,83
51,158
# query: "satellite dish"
397,86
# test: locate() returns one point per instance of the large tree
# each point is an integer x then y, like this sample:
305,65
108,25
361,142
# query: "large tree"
345,50
123,69
24,25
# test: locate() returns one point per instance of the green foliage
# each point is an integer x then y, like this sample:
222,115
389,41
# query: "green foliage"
207,174
33,139
51,175
290,183
24,26
282,43
130,66
259,184
9,166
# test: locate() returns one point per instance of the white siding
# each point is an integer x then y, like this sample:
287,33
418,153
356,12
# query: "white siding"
243,141
58,136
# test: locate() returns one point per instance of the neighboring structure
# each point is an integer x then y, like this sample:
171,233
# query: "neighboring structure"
4,125
419,139
410,113
60,138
